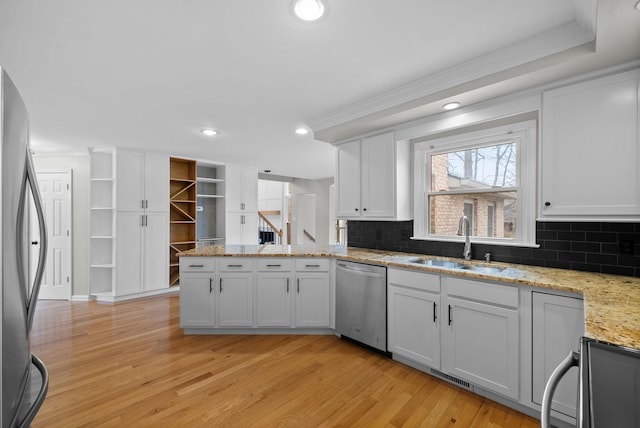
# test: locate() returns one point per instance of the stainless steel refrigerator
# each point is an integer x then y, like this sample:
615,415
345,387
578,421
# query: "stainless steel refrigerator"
24,377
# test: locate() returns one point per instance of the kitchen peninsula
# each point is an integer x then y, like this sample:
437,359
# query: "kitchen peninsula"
612,302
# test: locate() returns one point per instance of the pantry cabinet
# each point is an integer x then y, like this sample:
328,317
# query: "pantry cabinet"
241,202
130,213
373,179
143,181
590,150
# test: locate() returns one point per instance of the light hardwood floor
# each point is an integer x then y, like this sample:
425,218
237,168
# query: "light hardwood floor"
130,365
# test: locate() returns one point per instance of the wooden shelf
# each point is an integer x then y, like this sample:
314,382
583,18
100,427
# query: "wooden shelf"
182,212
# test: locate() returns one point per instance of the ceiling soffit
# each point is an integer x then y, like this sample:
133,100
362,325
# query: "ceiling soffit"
542,50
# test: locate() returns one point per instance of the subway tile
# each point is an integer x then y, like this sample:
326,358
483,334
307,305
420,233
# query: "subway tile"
569,256
586,226
618,227
587,247
557,245
572,236
618,270
602,259
557,226
602,237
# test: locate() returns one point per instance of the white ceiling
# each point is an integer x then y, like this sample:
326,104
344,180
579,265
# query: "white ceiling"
150,74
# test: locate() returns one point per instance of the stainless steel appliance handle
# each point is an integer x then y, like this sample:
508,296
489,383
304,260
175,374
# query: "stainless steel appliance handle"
42,256
570,360
28,418
344,267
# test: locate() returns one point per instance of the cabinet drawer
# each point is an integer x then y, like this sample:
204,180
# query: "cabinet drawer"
197,264
504,295
280,264
312,265
235,264
413,279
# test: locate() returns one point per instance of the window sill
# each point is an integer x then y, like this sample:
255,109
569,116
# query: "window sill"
476,240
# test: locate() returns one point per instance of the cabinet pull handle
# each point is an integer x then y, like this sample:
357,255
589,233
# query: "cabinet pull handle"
141,203
210,285
242,205
287,285
274,265
546,204
435,307
141,220
450,320
146,203
298,285
234,266
312,266
221,285
196,265
242,219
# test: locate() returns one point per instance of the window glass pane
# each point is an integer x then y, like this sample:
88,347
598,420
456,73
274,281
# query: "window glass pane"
476,168
490,219
446,211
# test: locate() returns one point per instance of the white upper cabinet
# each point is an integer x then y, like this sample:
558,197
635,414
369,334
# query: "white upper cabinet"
142,181
241,190
590,150
373,179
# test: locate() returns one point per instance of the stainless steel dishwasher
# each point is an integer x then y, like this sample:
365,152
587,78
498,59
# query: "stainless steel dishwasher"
361,303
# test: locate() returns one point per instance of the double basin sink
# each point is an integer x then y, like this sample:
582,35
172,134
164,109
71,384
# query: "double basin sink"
447,264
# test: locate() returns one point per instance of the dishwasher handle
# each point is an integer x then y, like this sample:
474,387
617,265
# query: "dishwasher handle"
375,271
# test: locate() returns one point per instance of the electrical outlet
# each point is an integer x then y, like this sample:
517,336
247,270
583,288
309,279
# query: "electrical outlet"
627,246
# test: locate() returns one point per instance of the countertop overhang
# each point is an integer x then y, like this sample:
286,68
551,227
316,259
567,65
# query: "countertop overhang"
611,302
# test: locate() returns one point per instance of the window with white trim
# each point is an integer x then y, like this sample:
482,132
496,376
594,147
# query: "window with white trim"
487,176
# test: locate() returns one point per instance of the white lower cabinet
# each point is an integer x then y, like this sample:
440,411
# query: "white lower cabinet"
243,292
558,324
274,293
480,344
235,293
474,335
413,301
312,299
197,300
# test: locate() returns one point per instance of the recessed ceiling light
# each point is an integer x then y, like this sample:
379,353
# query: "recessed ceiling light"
309,10
209,132
302,131
451,106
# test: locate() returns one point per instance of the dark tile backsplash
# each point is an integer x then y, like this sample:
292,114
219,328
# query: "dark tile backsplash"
592,247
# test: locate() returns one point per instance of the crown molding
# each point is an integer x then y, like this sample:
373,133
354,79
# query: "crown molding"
558,40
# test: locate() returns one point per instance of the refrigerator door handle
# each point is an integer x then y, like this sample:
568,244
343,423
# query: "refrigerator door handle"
571,360
42,256
37,402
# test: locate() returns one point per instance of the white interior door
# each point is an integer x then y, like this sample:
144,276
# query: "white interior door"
55,190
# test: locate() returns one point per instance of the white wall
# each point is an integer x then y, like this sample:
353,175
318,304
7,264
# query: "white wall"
320,188
80,214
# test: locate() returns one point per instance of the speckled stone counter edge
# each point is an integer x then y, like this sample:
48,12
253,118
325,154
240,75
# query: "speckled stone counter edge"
611,302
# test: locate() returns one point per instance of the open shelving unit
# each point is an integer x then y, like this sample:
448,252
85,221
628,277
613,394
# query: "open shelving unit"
102,223
182,212
210,197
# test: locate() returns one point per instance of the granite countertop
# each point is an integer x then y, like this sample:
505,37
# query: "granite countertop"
611,302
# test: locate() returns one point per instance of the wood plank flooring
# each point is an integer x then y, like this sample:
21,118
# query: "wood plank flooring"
130,365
